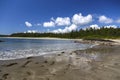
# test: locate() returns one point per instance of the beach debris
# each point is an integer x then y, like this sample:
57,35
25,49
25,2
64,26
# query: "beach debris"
36,62
11,64
29,73
53,62
26,63
5,76
95,41
59,54
71,53
29,57
45,61
25,79
1,41
47,79
103,40
116,63
42,65
63,52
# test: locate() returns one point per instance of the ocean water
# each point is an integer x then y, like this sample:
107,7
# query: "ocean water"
20,48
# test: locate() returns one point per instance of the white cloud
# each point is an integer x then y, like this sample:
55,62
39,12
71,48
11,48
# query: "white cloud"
49,24
62,21
66,29
78,19
110,26
31,31
94,26
28,24
59,21
72,27
118,21
104,19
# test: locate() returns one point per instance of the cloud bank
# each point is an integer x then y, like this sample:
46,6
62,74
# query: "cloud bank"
68,24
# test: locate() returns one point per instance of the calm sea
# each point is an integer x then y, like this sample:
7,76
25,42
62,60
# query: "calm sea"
20,48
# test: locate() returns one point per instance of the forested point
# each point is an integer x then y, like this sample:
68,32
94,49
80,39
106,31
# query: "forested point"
88,33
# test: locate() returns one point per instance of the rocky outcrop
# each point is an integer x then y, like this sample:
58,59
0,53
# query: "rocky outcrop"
95,41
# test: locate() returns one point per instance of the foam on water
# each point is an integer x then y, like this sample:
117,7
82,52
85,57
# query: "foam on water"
21,48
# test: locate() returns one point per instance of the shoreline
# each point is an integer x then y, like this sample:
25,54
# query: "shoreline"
115,41
49,38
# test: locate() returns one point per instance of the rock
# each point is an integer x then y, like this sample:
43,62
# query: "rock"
45,61
52,63
1,41
11,64
5,76
59,54
26,63
62,52
29,57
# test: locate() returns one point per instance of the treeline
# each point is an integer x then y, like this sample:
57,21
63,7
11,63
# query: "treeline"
3,35
88,33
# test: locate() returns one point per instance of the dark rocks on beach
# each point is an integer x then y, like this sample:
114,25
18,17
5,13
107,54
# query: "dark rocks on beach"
45,61
101,40
1,41
26,63
62,52
11,64
52,63
29,73
29,57
5,76
42,65
59,54
98,41
25,79
36,62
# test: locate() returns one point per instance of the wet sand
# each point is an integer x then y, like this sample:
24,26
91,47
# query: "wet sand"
102,62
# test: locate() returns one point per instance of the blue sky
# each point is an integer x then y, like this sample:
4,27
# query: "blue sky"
57,15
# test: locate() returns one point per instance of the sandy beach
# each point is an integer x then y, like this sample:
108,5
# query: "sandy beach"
102,62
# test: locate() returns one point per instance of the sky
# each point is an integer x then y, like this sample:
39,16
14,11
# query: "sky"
58,16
